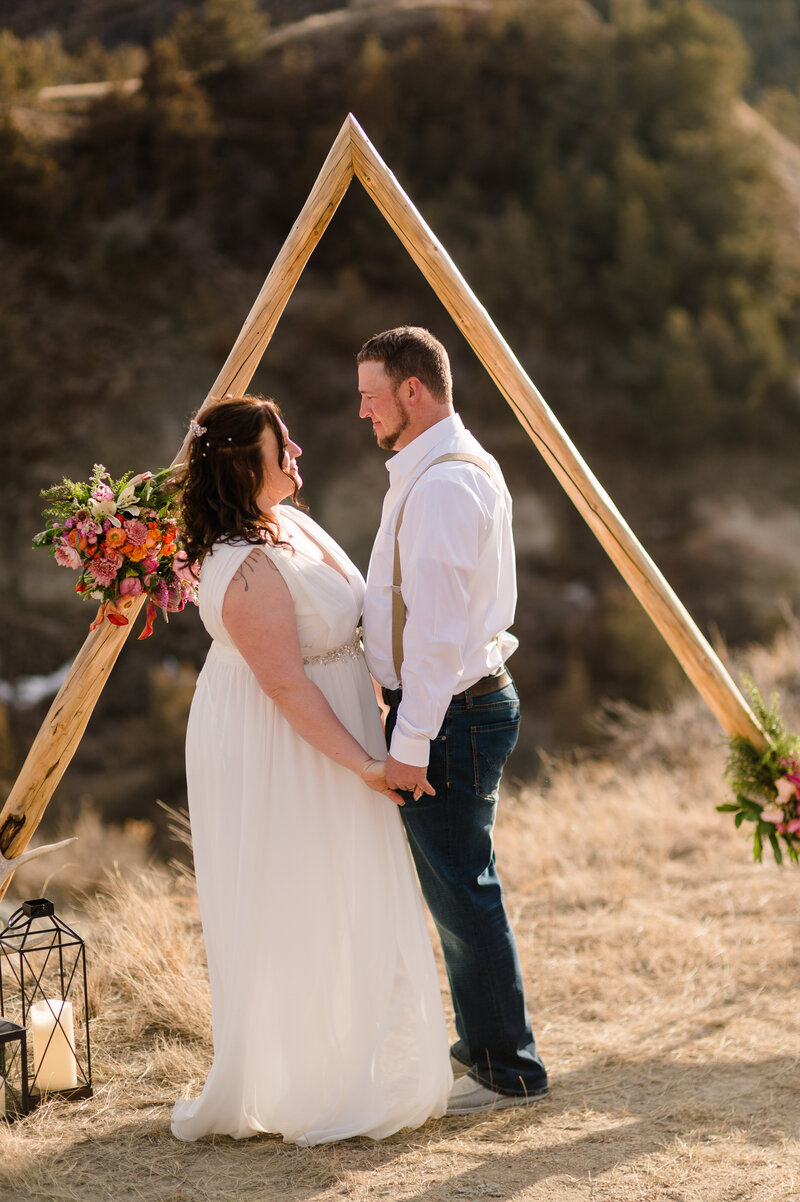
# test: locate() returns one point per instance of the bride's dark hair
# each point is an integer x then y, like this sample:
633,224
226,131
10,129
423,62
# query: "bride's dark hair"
223,474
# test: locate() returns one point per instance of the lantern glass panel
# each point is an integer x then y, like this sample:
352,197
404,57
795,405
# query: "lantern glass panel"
43,990
13,1071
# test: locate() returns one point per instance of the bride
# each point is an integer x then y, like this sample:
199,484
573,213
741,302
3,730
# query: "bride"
327,1016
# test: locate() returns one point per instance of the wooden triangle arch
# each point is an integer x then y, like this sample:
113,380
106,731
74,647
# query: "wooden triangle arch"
351,155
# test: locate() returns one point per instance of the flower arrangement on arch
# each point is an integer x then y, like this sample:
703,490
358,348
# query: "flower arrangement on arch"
123,537
766,784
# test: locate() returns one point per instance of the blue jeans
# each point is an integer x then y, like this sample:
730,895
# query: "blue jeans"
450,836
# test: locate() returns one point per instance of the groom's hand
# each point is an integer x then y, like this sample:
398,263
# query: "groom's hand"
408,777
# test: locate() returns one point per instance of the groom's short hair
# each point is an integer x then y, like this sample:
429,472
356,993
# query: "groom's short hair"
409,351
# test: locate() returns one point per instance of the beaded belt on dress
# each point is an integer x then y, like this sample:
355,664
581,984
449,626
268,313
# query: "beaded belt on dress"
350,650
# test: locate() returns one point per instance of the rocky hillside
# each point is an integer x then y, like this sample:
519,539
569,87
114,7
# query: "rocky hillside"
625,215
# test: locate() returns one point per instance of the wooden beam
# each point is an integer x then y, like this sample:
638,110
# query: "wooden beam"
323,201
692,650
62,729
59,736
352,152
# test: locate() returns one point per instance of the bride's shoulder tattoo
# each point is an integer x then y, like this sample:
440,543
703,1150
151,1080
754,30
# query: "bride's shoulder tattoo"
248,568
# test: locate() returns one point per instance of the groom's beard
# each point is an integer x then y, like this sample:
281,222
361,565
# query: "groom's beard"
389,438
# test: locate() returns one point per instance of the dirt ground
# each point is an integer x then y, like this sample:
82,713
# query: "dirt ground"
663,975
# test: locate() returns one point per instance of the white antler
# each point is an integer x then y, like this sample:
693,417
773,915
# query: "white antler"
9,866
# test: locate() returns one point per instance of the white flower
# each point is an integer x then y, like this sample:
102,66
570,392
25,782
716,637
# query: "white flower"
128,493
102,509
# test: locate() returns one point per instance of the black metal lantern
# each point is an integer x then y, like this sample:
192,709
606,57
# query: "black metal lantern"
13,1071
43,991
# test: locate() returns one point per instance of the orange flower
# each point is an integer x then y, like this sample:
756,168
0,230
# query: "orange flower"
136,554
115,537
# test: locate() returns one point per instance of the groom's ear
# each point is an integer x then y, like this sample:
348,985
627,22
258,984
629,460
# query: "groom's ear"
413,388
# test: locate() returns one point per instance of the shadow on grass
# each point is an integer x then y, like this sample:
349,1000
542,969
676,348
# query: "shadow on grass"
610,1113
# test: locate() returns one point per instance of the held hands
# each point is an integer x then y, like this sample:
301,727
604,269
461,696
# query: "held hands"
408,777
373,774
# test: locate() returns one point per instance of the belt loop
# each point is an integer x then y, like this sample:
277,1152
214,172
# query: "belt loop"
467,695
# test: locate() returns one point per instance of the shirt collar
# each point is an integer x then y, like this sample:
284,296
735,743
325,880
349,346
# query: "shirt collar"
404,463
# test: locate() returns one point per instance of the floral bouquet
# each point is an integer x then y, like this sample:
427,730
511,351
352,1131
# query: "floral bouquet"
766,784
123,538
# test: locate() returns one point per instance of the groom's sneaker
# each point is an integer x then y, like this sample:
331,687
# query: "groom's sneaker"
459,1068
470,1097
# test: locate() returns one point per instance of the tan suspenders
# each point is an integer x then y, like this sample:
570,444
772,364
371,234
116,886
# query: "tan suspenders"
398,606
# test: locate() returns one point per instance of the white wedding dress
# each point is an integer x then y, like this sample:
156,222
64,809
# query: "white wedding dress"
327,1016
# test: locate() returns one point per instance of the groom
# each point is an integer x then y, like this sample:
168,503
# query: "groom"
441,591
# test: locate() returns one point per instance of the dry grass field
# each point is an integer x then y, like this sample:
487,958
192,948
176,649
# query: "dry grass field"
663,973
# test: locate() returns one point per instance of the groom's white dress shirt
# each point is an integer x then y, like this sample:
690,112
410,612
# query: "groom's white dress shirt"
459,582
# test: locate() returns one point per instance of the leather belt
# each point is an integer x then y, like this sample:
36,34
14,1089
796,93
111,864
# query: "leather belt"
487,684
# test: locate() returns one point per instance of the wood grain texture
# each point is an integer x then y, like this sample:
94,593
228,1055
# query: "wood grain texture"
59,735
62,729
692,650
351,153
323,201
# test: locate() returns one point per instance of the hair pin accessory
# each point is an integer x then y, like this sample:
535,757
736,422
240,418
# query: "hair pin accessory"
195,429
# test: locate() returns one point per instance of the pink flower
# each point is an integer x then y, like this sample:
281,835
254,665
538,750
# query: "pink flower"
103,493
88,528
136,531
786,790
183,570
176,595
793,827
772,814
130,586
792,770
150,563
67,557
104,568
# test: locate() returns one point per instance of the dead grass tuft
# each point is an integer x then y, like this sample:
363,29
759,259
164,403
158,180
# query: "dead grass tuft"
662,971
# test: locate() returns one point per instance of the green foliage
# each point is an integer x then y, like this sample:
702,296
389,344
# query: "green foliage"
772,31
27,64
781,107
621,218
749,770
30,182
633,202
154,148
64,496
588,176
752,776
228,32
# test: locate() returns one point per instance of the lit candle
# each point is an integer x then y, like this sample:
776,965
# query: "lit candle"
54,1045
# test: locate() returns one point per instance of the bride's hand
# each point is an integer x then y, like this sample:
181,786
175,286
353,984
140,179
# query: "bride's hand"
373,774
